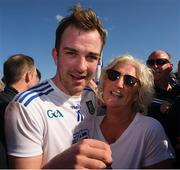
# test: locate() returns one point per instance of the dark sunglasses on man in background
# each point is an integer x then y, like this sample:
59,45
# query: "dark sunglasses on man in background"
114,75
158,61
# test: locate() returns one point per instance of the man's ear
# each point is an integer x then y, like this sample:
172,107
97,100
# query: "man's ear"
27,76
55,55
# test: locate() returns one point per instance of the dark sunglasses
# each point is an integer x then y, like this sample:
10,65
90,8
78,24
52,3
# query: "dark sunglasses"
159,62
114,75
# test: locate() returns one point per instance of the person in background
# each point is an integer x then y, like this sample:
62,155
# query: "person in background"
38,75
165,92
40,121
137,141
174,121
3,161
2,85
177,74
19,74
174,128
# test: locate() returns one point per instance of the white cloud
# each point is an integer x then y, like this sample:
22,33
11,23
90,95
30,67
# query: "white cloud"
59,17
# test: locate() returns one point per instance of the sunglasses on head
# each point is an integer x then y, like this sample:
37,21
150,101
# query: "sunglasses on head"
114,75
159,62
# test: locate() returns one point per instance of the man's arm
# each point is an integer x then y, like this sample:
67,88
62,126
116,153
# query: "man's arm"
22,138
25,163
88,153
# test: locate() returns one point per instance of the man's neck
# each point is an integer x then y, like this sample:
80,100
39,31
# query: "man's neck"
11,88
18,87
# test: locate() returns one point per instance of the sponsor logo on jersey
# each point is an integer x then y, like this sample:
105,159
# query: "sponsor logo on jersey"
54,113
82,134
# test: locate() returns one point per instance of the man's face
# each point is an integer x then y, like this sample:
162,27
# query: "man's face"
76,62
160,63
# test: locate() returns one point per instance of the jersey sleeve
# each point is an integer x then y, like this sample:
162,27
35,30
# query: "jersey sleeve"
23,133
157,146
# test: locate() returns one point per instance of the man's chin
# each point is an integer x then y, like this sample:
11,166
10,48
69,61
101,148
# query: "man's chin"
77,91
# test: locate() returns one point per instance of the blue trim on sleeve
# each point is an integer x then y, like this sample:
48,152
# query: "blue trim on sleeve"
37,95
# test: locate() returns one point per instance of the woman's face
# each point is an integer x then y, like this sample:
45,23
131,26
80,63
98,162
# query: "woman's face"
121,90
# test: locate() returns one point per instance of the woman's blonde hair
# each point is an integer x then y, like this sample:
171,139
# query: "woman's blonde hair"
143,73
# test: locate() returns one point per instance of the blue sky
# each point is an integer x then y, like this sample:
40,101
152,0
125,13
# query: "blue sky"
137,27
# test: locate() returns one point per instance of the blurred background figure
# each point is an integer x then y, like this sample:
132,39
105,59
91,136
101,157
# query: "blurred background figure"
165,91
174,128
20,74
38,75
2,85
177,74
3,163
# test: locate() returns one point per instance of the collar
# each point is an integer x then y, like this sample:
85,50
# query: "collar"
10,89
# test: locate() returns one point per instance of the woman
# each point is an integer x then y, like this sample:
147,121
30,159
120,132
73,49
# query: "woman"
137,141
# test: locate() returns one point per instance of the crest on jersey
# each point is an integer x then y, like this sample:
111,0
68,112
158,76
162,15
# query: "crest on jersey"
90,107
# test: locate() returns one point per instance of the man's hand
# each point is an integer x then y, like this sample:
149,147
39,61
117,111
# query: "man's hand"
165,106
88,154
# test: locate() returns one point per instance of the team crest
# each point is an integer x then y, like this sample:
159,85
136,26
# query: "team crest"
90,107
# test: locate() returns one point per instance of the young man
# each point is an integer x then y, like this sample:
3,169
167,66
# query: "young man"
40,121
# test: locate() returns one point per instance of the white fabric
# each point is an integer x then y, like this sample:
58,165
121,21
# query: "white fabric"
41,121
142,144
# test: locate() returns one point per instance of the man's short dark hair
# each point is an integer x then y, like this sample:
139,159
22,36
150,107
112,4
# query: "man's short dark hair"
14,67
38,74
84,19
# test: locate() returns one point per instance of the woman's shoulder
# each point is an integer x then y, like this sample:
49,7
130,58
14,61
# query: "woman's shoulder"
149,127
147,121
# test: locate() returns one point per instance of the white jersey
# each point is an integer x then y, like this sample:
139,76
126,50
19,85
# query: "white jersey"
41,121
142,144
